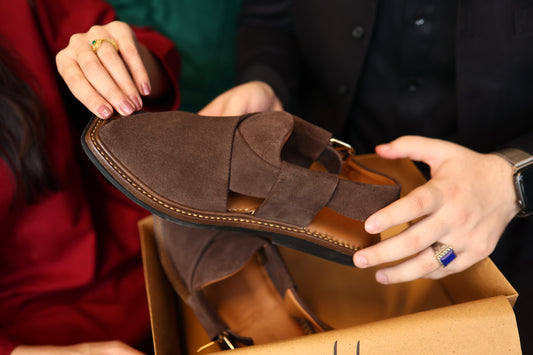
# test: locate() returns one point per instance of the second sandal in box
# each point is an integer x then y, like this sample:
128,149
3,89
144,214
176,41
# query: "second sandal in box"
270,173
236,284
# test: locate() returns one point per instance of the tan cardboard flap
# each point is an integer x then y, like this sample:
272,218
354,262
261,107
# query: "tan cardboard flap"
483,280
162,301
480,327
332,290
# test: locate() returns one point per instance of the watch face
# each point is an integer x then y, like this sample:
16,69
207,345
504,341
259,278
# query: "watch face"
524,180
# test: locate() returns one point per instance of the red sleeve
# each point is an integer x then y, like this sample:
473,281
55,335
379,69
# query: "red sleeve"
6,346
60,19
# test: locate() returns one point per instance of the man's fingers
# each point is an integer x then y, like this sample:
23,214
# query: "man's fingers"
418,203
405,244
414,268
416,148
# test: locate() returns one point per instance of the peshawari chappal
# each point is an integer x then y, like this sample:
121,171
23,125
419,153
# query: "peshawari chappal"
268,173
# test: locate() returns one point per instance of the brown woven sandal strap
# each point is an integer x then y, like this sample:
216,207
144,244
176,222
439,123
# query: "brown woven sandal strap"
264,140
299,194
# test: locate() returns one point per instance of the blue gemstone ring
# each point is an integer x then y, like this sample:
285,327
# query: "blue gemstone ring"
444,253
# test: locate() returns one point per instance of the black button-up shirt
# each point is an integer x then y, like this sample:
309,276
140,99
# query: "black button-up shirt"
408,82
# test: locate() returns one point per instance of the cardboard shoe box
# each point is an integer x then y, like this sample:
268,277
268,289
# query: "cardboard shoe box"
466,313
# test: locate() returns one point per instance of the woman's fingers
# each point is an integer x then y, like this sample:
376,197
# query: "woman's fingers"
81,88
136,76
110,75
105,71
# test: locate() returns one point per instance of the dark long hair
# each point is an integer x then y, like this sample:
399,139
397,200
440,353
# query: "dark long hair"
22,131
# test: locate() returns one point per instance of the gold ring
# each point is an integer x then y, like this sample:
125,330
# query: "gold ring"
95,44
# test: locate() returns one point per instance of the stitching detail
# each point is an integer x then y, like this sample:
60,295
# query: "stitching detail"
242,210
318,235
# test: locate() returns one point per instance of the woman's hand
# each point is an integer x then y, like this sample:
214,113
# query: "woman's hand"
107,78
253,96
466,204
95,348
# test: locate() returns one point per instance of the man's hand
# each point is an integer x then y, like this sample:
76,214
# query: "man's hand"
253,96
466,204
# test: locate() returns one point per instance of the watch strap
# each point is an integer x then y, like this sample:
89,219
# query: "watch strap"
518,159
515,156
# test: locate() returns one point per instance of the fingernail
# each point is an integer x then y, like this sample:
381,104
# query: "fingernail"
383,148
371,225
126,107
137,102
382,278
104,111
146,89
360,261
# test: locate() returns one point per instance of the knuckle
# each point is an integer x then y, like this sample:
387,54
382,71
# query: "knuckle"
76,38
69,76
60,57
93,101
481,250
418,204
90,67
428,265
116,344
129,49
413,243
452,189
462,217
113,94
107,56
235,101
96,28
115,24
120,28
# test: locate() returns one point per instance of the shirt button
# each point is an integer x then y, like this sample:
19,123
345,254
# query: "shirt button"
342,89
358,32
420,21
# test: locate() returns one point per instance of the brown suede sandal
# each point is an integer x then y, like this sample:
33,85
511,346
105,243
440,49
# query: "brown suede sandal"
272,173
236,284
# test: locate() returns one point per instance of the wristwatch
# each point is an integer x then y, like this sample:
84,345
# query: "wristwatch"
522,177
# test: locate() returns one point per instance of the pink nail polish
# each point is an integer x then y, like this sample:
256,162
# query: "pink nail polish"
137,102
126,107
104,111
146,89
